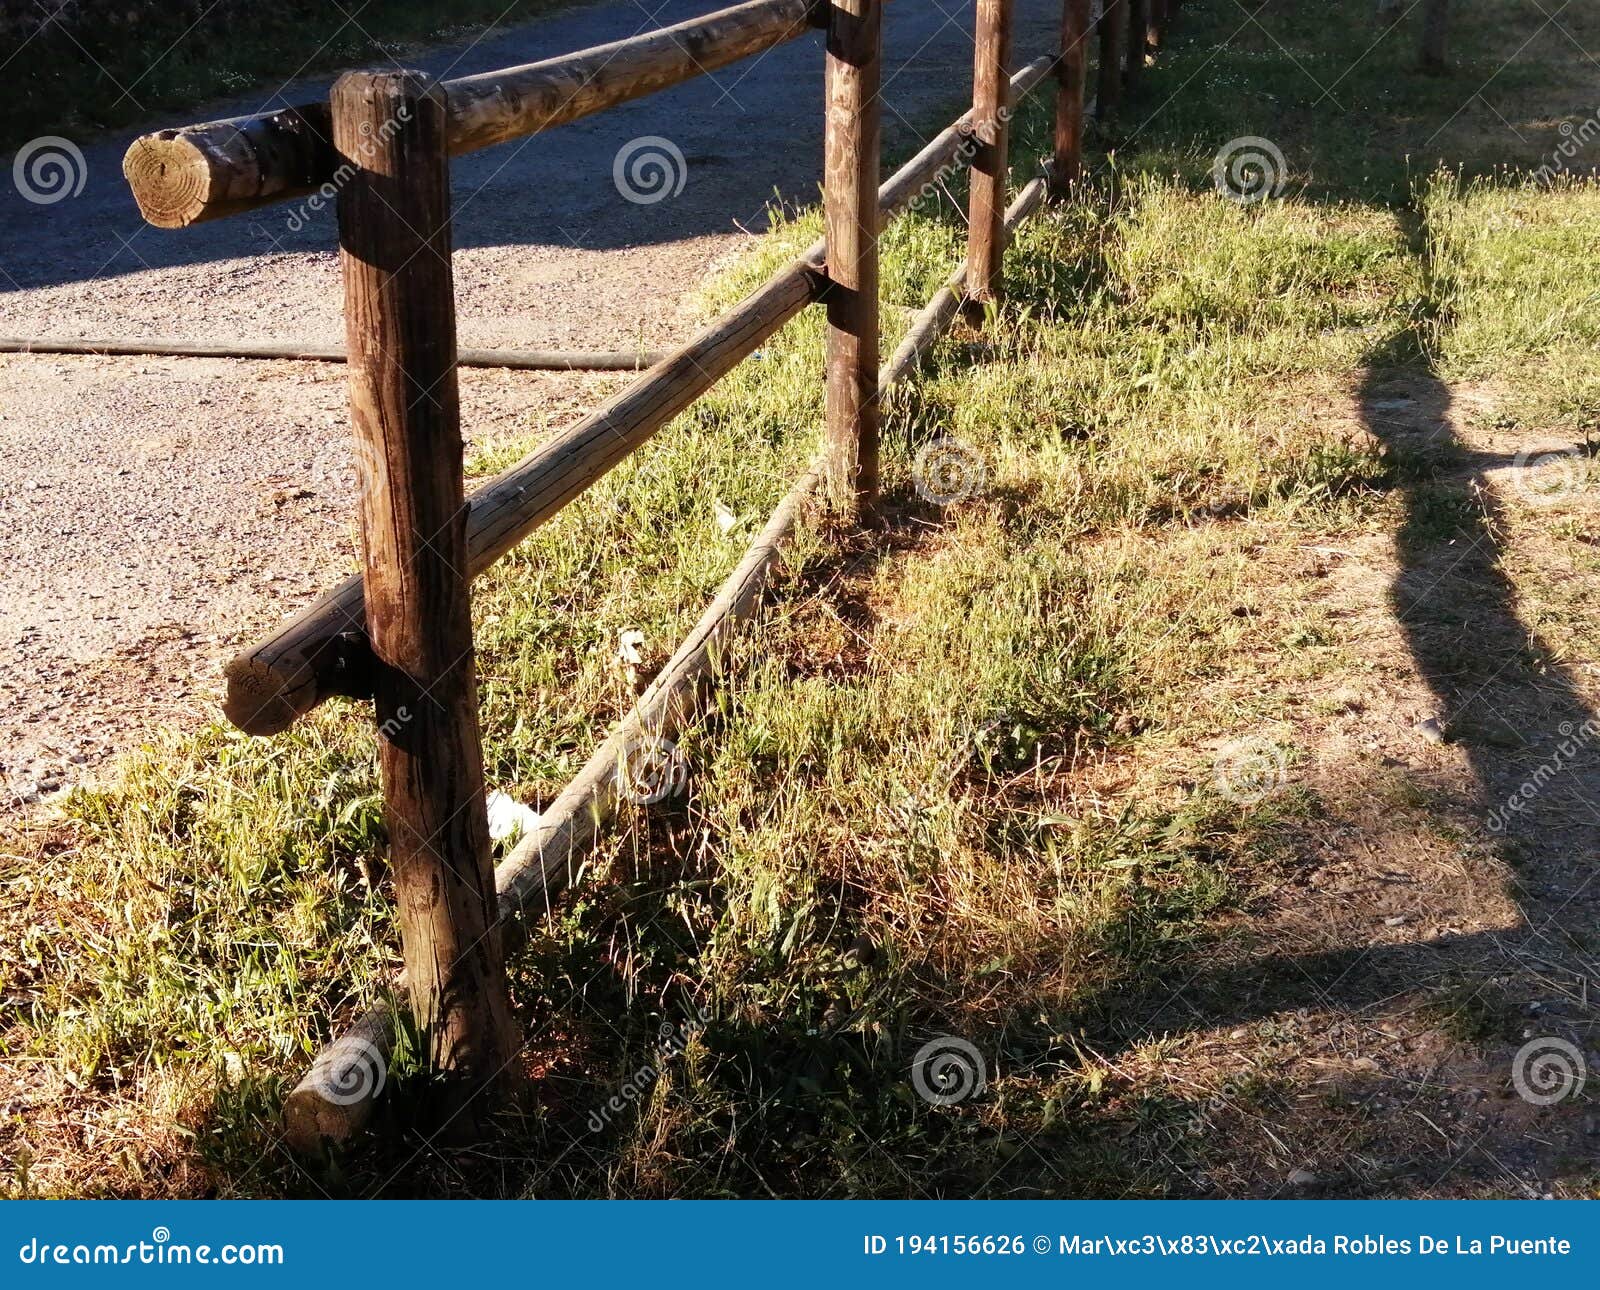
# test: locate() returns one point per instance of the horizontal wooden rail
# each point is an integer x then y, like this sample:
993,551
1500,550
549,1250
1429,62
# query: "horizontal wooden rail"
200,172
323,651
518,360
336,1096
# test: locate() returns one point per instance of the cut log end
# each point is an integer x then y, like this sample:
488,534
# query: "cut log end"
267,697
330,1105
171,179
312,1126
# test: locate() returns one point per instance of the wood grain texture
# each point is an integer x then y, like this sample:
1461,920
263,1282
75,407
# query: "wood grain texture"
394,254
991,111
1072,77
850,210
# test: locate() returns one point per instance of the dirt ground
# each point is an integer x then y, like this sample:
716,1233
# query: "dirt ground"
1366,1025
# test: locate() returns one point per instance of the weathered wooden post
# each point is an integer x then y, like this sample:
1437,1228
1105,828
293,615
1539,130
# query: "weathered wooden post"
1138,41
1071,75
394,234
850,200
1108,84
991,114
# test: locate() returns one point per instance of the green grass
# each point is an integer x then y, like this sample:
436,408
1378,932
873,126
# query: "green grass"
132,63
960,780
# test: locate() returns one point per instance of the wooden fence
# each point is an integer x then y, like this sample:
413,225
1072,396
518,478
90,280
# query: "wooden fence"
401,633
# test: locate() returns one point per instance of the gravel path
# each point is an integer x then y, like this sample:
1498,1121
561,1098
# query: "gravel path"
155,512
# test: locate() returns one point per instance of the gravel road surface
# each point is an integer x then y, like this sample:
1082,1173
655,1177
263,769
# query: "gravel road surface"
156,512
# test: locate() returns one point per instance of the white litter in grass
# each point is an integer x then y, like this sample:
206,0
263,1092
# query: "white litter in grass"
630,646
510,820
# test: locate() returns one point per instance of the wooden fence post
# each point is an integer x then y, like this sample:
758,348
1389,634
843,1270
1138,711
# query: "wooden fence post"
1138,41
394,236
1071,76
850,200
991,114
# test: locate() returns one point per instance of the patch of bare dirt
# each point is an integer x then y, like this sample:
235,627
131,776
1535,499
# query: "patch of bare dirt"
1408,1007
